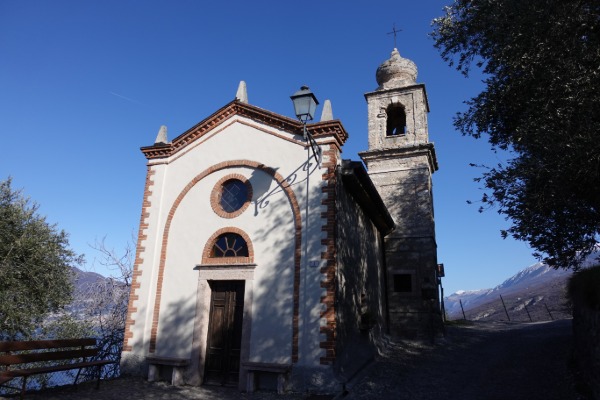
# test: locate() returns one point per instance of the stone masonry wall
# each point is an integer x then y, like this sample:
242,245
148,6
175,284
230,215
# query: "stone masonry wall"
361,310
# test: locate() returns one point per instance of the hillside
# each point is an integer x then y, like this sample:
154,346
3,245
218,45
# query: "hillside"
96,294
537,293
85,285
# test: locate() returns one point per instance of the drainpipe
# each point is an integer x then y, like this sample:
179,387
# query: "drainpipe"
385,283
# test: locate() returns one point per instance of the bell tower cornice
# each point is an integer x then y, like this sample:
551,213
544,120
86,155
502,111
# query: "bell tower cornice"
378,159
417,86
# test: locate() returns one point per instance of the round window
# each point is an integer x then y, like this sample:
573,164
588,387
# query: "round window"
234,194
231,196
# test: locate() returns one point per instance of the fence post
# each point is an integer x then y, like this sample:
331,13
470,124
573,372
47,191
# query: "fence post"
529,315
549,313
463,310
505,310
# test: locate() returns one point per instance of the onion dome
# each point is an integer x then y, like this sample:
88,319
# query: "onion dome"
396,72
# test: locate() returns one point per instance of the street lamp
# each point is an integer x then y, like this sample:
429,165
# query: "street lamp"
305,105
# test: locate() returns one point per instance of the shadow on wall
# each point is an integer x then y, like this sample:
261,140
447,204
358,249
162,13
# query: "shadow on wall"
273,298
411,199
262,192
175,339
274,306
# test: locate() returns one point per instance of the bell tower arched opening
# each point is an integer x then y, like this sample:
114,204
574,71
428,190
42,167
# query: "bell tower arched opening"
396,120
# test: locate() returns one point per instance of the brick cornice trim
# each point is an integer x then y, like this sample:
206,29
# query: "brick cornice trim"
297,243
333,128
139,251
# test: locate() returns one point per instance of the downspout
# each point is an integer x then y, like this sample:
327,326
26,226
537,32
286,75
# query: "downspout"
385,283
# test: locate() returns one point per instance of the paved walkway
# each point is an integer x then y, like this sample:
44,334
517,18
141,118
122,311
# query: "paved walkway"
139,389
483,361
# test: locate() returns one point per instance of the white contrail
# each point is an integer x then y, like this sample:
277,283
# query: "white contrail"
125,98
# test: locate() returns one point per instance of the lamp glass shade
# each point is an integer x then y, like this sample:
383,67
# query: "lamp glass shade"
305,104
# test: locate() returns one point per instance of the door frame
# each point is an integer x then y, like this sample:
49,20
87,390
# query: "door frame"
211,272
224,339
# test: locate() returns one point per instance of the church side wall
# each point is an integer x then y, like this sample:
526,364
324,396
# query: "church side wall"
360,287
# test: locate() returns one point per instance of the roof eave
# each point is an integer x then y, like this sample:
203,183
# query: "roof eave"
361,188
332,128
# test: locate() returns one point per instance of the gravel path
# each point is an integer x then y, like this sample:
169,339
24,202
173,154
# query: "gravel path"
480,361
488,361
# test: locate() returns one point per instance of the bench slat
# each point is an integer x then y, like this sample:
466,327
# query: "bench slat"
12,359
175,362
53,368
47,350
45,344
266,367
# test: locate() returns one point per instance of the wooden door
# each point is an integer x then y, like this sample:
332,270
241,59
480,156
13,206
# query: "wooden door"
224,333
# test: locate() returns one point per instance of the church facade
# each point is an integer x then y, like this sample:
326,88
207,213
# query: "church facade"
260,265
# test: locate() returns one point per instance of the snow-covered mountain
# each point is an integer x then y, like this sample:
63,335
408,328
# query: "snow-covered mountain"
536,290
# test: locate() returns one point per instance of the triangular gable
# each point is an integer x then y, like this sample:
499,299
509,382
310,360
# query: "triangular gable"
328,129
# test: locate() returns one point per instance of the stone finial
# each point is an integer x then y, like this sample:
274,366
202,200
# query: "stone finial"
242,93
396,72
162,135
327,113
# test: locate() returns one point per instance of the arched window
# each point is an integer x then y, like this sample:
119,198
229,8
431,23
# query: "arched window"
396,120
229,245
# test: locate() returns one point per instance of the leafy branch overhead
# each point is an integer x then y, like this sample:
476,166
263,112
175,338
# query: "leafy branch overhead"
541,104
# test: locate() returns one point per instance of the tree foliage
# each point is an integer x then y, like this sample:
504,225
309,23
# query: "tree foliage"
540,104
35,265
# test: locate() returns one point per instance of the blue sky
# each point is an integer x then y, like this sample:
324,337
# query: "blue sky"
84,84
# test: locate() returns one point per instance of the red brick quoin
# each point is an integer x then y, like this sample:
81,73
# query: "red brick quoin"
330,255
139,251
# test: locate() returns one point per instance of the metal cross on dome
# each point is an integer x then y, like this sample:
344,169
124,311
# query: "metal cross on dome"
394,32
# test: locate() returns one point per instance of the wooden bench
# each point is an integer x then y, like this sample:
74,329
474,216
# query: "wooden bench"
282,371
22,353
178,365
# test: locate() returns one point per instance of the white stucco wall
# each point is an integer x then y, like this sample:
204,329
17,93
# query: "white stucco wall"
268,222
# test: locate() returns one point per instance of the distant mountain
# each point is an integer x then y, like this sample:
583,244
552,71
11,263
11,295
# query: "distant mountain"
85,279
93,290
537,293
85,284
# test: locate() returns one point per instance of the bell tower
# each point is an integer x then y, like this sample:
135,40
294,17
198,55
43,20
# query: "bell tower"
400,161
